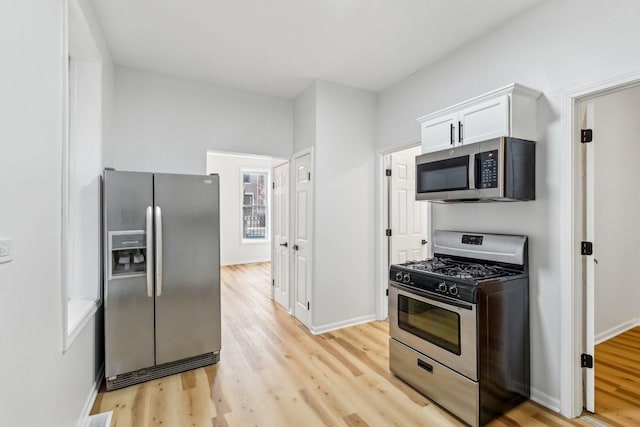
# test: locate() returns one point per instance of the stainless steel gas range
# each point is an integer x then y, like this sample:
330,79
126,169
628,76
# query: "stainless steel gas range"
459,324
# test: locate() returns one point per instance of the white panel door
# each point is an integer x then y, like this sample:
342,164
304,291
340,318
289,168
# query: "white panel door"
408,217
280,259
486,120
303,210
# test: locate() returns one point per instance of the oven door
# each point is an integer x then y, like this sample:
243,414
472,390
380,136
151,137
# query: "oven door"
439,327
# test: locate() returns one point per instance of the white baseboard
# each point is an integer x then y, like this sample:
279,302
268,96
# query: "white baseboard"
317,330
545,400
616,330
91,398
244,261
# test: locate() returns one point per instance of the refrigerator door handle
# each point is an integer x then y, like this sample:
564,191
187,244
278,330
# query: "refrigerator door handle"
149,260
158,251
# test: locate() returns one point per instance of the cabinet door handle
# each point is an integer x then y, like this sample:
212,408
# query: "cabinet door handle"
460,132
452,138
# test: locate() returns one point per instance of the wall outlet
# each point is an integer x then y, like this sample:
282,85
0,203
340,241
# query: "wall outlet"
6,250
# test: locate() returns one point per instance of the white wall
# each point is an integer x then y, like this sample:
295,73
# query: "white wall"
41,386
548,48
229,167
343,262
304,121
617,154
167,124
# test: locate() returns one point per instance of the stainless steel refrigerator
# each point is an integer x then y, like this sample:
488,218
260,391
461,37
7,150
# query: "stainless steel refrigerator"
162,274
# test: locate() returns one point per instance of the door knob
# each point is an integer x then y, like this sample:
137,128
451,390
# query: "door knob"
285,244
295,247
424,242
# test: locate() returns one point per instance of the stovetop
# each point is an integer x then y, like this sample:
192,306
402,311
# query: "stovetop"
454,278
460,269
463,264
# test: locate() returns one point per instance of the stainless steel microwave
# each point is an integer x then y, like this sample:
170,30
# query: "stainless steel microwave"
500,169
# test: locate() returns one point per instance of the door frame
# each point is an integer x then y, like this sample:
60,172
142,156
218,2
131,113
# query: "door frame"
572,316
382,223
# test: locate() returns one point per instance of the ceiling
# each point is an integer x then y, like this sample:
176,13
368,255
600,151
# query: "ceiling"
278,47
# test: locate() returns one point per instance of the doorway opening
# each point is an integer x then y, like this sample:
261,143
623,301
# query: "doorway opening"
406,222
598,235
245,201
612,315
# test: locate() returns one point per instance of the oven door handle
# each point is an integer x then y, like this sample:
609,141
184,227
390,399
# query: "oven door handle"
432,296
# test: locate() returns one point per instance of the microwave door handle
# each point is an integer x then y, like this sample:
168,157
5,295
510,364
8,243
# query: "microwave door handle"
472,171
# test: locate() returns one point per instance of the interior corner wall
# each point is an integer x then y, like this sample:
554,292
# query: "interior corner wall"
304,121
37,374
232,250
167,124
547,49
616,157
343,255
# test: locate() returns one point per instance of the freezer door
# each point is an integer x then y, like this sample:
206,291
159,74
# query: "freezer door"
188,266
129,346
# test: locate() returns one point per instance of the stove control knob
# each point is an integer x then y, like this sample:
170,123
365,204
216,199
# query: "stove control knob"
399,276
406,278
442,287
453,290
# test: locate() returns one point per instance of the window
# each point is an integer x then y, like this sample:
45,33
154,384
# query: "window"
255,205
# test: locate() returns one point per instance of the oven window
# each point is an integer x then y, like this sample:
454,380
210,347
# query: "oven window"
434,324
443,175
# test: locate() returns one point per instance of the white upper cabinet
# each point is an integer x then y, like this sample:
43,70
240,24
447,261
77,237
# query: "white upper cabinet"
508,111
483,121
440,132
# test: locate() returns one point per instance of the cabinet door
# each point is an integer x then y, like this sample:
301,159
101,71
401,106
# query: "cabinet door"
486,120
439,133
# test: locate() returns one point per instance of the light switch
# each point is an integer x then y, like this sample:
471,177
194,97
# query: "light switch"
6,250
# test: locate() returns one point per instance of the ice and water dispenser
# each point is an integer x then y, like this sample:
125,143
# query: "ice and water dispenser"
128,253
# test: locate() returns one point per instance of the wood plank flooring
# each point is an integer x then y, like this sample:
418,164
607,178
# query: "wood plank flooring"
273,372
617,365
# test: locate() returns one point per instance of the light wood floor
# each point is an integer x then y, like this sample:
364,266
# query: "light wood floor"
273,372
617,365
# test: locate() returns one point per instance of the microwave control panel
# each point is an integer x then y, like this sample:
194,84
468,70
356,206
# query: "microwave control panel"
487,169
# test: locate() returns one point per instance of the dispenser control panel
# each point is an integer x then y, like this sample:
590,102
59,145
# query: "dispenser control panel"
127,254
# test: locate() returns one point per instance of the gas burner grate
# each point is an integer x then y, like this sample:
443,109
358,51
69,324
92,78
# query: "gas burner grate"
458,269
